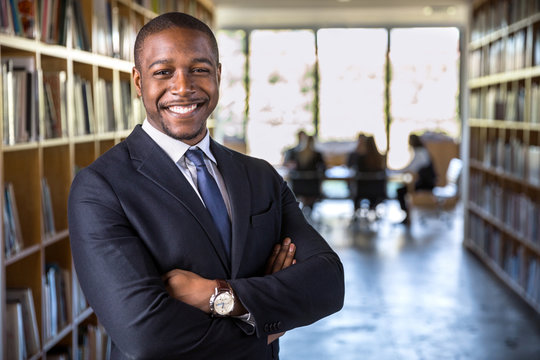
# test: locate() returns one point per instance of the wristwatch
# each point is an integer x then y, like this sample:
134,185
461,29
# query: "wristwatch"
222,300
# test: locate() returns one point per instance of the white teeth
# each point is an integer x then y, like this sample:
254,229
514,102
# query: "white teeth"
183,109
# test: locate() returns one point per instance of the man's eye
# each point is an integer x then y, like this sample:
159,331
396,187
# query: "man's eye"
162,72
200,70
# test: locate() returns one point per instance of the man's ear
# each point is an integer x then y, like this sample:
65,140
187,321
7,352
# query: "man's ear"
219,73
137,80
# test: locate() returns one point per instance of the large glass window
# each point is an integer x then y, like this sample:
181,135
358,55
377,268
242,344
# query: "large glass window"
352,83
271,82
423,86
230,114
281,91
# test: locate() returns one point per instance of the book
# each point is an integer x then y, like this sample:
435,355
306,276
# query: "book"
21,100
79,29
103,38
31,333
12,227
26,17
16,347
81,303
6,25
54,84
47,208
127,110
57,298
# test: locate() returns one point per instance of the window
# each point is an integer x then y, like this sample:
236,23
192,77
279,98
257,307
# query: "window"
423,86
281,90
335,84
352,83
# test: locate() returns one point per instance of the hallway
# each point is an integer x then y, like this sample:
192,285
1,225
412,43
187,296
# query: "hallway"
414,294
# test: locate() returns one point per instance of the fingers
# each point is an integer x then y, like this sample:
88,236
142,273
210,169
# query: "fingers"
281,257
289,257
271,259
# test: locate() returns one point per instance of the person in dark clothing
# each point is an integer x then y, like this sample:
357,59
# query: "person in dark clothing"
306,173
369,165
421,167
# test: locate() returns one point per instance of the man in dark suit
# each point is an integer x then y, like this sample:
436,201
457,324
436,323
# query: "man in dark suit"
165,275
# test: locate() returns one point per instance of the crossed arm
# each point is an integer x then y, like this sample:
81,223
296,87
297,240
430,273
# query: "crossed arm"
195,290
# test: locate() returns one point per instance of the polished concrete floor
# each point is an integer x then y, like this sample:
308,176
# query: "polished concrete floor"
413,293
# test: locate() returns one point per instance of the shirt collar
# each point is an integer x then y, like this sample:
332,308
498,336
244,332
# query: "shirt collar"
176,148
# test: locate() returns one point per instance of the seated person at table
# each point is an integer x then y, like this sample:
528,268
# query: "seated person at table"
289,154
307,170
369,166
421,167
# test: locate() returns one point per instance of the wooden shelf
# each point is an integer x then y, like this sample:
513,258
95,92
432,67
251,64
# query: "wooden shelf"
502,275
509,232
503,200
64,78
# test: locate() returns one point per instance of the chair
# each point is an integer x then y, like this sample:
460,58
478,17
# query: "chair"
441,199
368,189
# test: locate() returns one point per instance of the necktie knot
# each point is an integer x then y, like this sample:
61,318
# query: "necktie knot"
196,156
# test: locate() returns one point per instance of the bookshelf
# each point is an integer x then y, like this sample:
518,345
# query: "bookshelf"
503,205
66,97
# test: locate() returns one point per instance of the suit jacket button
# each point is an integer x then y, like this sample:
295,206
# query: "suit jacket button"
266,328
279,325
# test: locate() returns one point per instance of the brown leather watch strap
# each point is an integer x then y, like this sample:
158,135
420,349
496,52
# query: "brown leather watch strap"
222,285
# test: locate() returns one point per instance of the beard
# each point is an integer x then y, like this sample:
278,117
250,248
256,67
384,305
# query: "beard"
184,137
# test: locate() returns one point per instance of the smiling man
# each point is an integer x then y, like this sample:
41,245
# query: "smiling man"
186,249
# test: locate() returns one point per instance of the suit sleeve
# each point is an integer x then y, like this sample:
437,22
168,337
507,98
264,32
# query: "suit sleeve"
122,284
303,293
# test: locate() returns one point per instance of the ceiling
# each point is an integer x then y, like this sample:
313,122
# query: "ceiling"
331,3
316,13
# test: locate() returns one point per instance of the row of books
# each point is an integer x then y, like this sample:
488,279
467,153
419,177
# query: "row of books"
494,15
486,238
57,299
93,343
18,17
23,339
22,329
104,109
509,156
13,238
516,211
50,20
496,104
20,111
521,266
505,54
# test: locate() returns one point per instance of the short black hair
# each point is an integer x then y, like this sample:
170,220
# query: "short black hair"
167,21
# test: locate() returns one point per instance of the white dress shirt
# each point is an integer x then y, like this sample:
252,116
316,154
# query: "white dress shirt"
176,150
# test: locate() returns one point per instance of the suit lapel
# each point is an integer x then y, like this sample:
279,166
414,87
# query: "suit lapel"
151,161
235,178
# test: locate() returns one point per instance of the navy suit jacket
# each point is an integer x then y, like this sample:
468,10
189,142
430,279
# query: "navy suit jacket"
133,217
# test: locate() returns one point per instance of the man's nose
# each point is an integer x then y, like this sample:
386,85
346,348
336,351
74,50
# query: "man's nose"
182,83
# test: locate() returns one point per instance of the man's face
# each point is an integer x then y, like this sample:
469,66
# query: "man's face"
178,81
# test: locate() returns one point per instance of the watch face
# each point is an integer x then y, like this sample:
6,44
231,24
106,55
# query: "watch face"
223,303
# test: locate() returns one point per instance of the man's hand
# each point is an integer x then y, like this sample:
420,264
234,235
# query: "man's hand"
190,288
281,258
196,291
